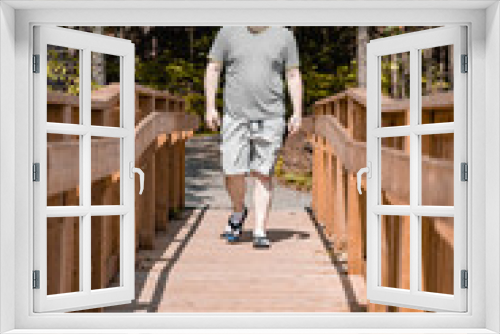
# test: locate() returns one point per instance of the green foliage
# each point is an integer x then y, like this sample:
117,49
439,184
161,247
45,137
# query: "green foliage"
177,62
302,181
176,75
278,167
327,68
318,85
62,72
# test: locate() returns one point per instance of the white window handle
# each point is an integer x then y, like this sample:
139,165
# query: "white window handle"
133,170
368,171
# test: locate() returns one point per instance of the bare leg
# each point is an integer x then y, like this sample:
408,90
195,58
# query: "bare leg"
263,198
235,186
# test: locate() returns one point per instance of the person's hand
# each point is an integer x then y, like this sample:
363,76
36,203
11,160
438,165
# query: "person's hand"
212,119
294,124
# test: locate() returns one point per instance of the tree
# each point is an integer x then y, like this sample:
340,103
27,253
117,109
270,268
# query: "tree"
363,38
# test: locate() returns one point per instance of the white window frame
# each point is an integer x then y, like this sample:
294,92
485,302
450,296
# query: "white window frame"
482,315
85,43
414,43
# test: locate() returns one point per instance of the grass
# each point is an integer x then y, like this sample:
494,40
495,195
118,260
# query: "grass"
299,181
302,181
202,133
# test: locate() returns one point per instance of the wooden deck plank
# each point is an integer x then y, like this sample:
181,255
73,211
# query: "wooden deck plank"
192,269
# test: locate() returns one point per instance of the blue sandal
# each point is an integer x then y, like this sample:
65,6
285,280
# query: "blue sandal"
236,228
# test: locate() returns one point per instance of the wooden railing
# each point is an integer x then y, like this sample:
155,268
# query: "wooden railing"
162,127
338,133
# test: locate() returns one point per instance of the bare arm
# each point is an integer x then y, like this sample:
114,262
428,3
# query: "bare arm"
294,81
212,75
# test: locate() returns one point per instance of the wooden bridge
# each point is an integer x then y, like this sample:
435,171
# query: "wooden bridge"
183,266
162,128
338,131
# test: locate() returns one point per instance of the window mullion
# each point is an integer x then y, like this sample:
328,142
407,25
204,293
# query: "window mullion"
85,89
433,129
414,169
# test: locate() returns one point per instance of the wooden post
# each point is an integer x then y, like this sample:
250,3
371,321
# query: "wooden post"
389,252
315,172
363,211
112,249
137,108
102,242
170,160
162,183
181,157
182,172
176,171
53,255
66,114
97,234
100,239
406,145
171,174
323,177
339,227
69,246
354,242
350,117
321,181
329,185
146,106
332,192
139,208
106,250
329,108
149,202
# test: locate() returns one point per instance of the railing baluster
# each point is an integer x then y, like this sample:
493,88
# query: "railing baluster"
342,154
161,154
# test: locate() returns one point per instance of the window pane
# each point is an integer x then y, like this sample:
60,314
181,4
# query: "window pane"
437,169
63,84
437,254
105,89
437,84
105,171
63,170
105,257
395,170
395,251
63,255
395,88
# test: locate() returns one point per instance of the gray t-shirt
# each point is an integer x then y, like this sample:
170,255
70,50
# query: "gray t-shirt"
255,64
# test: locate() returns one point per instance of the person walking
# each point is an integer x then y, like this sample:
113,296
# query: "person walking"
255,59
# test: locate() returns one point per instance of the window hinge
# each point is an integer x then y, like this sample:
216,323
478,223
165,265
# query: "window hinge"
36,279
36,63
465,63
465,279
36,172
464,172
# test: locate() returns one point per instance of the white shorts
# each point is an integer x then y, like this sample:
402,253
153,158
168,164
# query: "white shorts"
250,145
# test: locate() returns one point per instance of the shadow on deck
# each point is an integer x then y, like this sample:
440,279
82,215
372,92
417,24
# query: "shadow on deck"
192,269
